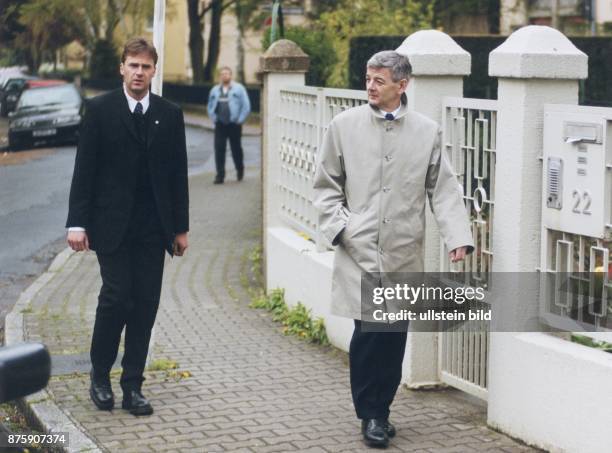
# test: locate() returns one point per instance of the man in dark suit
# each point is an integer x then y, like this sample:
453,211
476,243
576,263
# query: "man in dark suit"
129,203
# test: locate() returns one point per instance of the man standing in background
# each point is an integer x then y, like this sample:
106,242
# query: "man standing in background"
129,202
228,108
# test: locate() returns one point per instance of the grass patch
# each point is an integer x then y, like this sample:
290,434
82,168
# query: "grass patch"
297,321
256,260
170,367
592,343
14,422
163,365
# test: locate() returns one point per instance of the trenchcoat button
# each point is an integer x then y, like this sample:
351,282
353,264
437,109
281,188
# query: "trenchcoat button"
388,158
386,220
386,189
380,250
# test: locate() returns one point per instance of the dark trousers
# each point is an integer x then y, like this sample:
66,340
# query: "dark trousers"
376,369
131,287
223,132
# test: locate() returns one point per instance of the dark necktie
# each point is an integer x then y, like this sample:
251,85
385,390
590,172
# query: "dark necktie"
140,121
389,116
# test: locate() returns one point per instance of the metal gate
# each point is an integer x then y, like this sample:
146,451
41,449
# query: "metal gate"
469,138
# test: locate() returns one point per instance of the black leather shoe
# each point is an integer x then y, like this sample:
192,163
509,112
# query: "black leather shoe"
389,429
374,432
136,404
240,174
218,180
101,393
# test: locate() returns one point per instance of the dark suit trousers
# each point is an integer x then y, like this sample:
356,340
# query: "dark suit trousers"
376,369
131,287
223,132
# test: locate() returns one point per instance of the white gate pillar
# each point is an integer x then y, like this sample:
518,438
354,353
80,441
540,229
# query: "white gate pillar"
438,67
535,65
283,64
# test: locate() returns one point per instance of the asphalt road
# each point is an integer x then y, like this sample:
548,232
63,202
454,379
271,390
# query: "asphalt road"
34,187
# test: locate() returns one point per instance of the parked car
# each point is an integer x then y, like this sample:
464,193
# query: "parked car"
47,113
37,83
10,92
7,73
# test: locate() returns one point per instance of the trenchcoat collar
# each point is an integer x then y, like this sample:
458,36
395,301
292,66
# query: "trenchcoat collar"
402,111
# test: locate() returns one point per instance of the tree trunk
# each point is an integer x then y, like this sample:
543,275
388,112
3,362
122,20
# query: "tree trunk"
240,43
112,19
196,42
214,40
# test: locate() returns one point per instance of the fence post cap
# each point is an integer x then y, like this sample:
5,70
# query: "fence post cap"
538,51
433,52
284,56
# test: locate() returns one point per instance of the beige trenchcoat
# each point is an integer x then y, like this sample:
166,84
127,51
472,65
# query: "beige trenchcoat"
370,185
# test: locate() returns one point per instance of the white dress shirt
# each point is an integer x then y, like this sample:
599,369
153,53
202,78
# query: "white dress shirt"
132,105
394,112
132,102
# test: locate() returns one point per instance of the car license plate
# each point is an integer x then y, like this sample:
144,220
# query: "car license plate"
44,132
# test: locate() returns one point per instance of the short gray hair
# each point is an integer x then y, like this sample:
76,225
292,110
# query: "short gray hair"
398,63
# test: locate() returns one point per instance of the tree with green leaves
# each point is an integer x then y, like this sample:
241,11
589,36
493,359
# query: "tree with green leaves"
102,17
353,18
104,62
38,28
48,26
10,28
318,45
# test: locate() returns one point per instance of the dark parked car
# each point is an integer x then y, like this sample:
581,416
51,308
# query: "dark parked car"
10,92
49,113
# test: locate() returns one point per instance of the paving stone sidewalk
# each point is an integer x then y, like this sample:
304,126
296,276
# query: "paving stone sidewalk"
246,386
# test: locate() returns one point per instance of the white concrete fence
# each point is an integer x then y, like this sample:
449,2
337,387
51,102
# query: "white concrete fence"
540,388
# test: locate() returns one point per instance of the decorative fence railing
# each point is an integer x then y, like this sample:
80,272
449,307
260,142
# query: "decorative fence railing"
305,113
469,139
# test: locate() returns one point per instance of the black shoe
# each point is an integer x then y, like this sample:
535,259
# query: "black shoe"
135,403
374,432
218,180
240,173
101,393
389,429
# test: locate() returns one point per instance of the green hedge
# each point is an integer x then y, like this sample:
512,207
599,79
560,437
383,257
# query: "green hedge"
597,90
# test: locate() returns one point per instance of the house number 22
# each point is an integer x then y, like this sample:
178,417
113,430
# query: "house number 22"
584,199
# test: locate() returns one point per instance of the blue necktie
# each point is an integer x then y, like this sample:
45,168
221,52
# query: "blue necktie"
389,117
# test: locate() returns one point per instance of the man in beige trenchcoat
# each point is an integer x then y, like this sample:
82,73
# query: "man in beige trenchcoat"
377,164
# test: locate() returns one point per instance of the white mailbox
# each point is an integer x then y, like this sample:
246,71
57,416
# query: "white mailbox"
577,159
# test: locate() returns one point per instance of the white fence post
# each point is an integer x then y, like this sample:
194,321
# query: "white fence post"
535,65
438,67
283,64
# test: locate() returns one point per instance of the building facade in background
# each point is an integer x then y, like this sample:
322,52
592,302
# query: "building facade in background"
574,17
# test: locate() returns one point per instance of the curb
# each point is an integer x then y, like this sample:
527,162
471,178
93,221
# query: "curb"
205,123
40,408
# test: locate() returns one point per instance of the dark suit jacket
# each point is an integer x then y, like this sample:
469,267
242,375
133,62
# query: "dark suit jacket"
107,163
